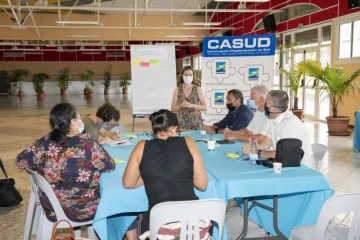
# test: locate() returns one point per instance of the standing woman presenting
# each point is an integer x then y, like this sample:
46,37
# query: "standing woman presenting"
188,101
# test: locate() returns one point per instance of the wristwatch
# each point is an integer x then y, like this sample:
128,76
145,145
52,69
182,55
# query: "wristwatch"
216,130
259,152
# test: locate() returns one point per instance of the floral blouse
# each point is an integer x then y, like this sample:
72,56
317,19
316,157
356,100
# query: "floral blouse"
73,170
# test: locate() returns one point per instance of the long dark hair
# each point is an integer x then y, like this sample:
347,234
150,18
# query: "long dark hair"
162,120
60,119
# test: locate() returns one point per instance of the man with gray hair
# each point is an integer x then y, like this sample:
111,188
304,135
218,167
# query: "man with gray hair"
284,124
259,125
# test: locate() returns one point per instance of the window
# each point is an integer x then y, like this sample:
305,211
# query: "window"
197,62
186,61
348,39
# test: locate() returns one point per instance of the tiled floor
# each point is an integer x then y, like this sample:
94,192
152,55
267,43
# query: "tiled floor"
24,120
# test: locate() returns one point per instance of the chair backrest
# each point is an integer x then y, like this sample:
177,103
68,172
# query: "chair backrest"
189,213
336,205
319,151
42,184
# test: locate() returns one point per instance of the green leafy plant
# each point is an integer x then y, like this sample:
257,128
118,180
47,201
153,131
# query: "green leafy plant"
63,79
107,77
293,75
17,77
337,83
197,76
86,78
125,80
38,82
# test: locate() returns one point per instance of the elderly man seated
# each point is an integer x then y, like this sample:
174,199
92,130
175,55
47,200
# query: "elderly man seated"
284,124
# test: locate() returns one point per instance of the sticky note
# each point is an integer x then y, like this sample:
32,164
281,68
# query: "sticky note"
145,64
131,136
117,160
136,61
154,61
232,155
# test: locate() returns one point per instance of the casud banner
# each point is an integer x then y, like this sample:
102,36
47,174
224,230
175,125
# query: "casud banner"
236,62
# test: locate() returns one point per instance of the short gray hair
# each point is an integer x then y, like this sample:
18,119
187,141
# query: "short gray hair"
279,99
261,90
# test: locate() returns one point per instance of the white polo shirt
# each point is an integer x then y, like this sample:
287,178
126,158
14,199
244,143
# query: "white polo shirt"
287,125
260,124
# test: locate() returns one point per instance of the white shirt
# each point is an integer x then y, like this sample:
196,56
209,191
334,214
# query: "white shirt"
287,125
260,124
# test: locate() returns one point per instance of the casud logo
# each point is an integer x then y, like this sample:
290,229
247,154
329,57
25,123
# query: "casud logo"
219,98
220,67
253,74
237,43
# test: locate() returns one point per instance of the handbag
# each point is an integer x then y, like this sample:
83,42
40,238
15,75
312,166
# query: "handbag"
289,152
9,196
72,237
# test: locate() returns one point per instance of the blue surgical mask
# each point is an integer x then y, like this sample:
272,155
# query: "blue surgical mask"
252,105
103,125
82,128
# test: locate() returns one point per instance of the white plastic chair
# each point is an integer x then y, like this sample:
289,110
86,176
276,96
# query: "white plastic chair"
189,213
33,213
332,207
45,227
319,151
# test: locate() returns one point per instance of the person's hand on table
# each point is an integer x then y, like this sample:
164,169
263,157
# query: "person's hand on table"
116,136
105,140
228,134
209,129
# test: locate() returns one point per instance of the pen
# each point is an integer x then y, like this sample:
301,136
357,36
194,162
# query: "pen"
120,143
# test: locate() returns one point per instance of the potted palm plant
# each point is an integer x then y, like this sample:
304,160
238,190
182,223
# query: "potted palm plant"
17,77
38,83
125,82
63,80
107,79
336,84
88,82
294,77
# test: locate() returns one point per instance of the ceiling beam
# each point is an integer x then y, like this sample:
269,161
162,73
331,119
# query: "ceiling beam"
13,11
75,3
32,18
89,8
129,27
28,15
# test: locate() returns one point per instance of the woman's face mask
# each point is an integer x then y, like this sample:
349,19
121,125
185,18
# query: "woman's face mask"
188,79
82,127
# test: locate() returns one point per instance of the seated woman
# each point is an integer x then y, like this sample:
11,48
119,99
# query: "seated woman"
96,123
169,166
72,162
188,101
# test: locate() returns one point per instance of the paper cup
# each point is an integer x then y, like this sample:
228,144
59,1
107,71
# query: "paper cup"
277,167
203,133
211,145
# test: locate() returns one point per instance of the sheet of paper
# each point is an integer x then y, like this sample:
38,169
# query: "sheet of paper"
131,136
232,155
122,142
117,160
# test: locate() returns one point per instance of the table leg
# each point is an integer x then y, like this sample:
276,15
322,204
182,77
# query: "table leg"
275,215
246,215
134,116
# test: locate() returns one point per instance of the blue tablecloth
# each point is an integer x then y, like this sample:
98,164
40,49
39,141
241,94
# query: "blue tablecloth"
356,134
302,191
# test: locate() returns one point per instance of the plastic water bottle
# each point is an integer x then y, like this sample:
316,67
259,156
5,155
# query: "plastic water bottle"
202,129
253,151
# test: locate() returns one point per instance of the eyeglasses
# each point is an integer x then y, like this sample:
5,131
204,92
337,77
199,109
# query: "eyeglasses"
148,134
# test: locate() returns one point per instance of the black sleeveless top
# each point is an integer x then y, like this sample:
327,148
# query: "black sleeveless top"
167,169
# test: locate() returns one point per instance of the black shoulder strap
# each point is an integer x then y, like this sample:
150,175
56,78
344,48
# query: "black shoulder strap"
2,168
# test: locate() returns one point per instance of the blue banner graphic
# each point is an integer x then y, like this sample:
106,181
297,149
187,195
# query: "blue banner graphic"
239,46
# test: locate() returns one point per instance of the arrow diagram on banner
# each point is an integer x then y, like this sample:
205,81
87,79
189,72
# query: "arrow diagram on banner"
220,68
254,75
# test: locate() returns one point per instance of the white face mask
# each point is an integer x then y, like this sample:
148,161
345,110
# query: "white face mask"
188,79
252,105
82,127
